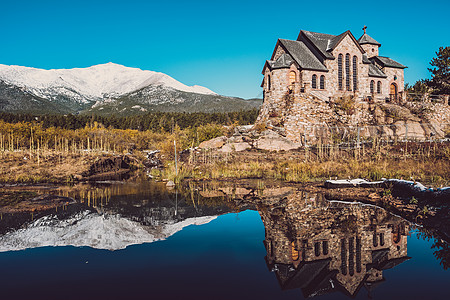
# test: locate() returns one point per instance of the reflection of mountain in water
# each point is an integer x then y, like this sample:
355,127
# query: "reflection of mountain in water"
87,228
125,217
321,246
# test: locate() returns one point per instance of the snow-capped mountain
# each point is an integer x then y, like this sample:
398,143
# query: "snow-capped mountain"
91,229
90,84
106,89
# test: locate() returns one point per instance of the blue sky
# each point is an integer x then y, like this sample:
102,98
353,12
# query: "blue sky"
218,44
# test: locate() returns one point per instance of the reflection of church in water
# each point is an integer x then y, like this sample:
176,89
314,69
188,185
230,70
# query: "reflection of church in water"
321,246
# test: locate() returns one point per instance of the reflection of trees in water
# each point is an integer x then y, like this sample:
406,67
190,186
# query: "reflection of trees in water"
441,247
357,226
143,201
320,246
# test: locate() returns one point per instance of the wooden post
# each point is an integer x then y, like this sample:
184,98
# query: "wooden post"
358,140
406,131
176,166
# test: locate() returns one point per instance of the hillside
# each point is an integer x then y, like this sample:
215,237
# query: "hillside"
157,98
106,89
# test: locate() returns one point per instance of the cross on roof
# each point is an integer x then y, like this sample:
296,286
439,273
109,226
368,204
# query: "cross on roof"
364,28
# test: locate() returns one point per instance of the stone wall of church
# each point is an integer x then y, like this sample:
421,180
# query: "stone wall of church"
371,50
324,94
274,93
347,45
393,73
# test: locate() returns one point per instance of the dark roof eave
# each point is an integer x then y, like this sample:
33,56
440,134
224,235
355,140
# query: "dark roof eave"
379,59
369,43
377,76
283,67
395,67
311,69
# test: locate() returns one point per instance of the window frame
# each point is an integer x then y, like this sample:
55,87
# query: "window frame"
314,81
322,82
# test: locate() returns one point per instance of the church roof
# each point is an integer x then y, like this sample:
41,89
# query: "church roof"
325,43
303,55
388,62
375,72
367,39
334,41
284,61
321,41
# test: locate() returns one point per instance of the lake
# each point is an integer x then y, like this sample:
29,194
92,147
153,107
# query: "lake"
216,241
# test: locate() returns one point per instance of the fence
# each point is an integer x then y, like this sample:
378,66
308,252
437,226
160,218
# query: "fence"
351,136
425,97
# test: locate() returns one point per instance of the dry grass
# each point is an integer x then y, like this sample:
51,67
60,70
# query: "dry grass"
52,166
429,164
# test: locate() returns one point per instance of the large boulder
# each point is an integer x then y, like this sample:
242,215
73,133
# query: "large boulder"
213,143
398,112
272,141
410,130
237,147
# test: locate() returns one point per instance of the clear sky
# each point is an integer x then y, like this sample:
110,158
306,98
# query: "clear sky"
221,45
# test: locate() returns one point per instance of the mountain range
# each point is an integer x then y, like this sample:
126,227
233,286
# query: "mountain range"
92,229
106,89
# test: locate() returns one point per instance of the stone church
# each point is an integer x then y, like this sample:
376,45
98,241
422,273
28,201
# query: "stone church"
330,66
306,78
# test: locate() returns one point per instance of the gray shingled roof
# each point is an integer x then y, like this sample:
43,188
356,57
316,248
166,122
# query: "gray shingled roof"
334,41
302,55
322,41
375,72
284,61
367,39
388,62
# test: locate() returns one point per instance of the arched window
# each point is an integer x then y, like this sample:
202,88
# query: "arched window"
314,81
343,257
358,255
317,248
355,73
379,87
268,82
375,240
292,77
294,251
325,247
322,82
347,72
340,71
372,83
351,258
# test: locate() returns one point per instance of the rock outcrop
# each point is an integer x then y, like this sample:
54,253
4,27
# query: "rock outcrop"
308,120
215,143
245,138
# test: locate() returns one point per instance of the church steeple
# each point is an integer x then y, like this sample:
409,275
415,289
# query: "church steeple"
369,44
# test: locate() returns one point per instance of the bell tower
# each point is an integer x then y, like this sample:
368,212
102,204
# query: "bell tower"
369,44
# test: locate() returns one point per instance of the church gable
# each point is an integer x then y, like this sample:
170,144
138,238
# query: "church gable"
278,51
347,44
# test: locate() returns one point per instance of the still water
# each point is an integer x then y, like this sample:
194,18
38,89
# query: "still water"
142,241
